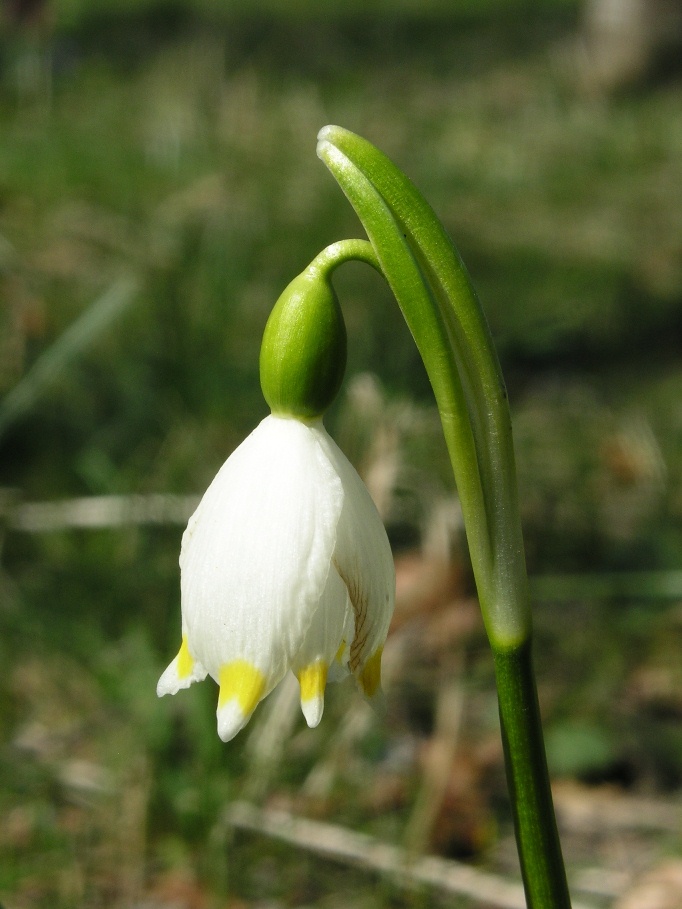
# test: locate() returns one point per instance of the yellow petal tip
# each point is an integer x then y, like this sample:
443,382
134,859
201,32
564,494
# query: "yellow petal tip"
181,673
241,680
231,719
313,679
369,676
185,663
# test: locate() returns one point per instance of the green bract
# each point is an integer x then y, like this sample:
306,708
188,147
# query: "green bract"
303,354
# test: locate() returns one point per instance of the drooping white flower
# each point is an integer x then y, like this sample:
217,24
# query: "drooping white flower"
284,565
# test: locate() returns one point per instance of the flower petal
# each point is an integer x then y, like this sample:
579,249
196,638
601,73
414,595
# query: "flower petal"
338,669
313,681
364,561
256,554
320,646
182,672
241,688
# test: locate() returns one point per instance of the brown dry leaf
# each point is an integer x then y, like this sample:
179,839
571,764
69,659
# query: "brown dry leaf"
424,585
388,792
660,888
177,890
464,824
434,591
656,689
587,809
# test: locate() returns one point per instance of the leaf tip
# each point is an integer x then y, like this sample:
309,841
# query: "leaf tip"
326,134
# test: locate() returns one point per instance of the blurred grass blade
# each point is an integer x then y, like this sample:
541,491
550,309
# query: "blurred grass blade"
77,337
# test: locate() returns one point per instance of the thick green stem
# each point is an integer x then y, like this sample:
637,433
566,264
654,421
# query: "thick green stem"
537,837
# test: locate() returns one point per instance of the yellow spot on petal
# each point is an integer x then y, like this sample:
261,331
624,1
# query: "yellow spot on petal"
242,682
313,679
185,660
370,676
339,652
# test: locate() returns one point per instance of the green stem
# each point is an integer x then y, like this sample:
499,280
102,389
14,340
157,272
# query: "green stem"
345,251
537,837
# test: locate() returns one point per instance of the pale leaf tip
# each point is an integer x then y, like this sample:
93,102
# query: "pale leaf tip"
326,132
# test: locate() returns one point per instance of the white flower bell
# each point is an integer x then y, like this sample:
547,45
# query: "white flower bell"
284,565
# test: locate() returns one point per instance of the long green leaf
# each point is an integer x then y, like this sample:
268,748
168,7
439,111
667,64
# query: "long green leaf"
421,264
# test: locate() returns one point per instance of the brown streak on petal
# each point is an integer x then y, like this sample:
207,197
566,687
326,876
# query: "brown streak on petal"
359,603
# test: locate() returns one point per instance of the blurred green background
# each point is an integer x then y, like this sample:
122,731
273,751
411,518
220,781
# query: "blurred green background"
158,189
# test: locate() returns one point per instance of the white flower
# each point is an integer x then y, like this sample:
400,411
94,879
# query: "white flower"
284,565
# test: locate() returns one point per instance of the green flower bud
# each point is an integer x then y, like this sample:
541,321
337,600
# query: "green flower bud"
303,354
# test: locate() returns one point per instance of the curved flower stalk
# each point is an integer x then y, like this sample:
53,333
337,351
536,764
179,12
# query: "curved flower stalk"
285,564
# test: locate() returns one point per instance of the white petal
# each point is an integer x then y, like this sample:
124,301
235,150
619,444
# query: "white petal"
256,555
231,720
320,647
364,561
183,671
242,686
171,681
339,670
